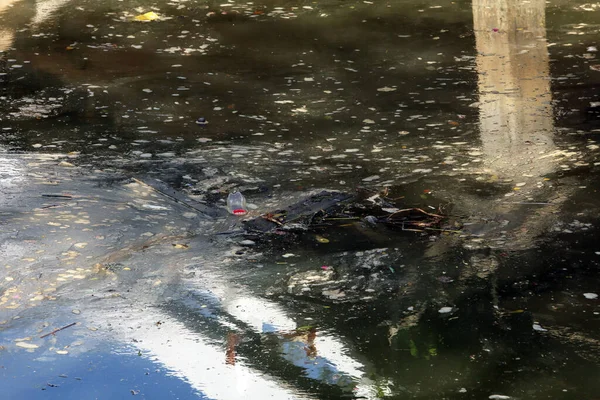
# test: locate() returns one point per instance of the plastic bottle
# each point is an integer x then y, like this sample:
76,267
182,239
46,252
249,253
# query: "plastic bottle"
236,203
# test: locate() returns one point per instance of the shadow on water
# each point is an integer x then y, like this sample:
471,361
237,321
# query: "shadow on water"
484,111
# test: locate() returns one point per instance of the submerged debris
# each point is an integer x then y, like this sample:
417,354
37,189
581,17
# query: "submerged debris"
330,209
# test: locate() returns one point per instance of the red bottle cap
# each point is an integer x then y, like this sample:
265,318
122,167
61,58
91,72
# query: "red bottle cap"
239,211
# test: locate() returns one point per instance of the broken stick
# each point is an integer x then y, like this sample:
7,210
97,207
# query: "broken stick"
58,330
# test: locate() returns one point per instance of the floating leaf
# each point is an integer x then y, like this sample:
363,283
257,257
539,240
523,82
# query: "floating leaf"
321,239
26,345
149,16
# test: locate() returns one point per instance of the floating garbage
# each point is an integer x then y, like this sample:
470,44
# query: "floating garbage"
236,203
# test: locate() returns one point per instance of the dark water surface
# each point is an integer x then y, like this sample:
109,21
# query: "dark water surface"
486,111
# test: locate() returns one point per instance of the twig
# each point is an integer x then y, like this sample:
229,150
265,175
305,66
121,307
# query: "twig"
443,230
415,209
60,196
527,203
231,232
51,206
271,218
411,230
175,199
58,330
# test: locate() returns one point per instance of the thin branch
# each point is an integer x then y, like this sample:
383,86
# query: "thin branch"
175,199
58,330
415,209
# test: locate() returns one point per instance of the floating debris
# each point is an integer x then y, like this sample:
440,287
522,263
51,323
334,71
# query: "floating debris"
149,16
25,345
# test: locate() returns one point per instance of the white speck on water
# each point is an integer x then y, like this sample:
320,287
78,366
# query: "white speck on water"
386,89
499,397
538,327
371,178
591,296
25,345
300,109
445,310
154,207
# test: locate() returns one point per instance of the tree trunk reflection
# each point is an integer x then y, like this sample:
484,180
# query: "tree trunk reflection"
514,85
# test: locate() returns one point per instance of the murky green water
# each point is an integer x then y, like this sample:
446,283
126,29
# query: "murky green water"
486,111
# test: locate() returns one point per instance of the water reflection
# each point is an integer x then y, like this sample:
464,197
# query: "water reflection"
44,9
6,35
130,233
11,170
515,107
192,357
322,355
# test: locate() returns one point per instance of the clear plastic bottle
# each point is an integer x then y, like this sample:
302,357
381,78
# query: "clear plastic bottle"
236,203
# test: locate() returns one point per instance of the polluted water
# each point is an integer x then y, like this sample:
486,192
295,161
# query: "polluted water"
299,200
